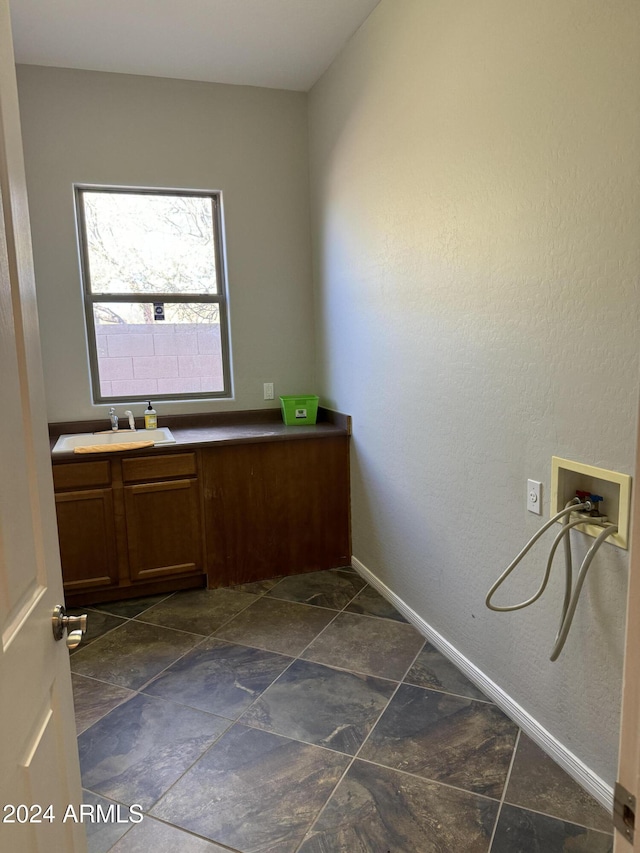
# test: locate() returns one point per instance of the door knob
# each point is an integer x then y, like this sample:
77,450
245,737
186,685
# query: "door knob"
75,625
74,638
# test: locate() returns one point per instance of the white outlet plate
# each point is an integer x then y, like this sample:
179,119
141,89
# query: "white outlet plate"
534,496
268,390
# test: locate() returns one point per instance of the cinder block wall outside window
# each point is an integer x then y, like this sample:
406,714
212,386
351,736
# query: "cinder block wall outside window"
171,358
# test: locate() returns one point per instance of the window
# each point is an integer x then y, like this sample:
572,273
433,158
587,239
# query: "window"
154,293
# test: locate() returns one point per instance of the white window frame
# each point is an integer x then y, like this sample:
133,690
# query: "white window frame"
90,298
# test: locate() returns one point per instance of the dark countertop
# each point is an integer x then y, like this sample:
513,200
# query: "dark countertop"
212,429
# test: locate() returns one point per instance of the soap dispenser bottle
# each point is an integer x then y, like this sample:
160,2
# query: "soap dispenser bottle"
150,418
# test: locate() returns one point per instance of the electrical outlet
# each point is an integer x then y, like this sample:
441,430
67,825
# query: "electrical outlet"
268,390
534,496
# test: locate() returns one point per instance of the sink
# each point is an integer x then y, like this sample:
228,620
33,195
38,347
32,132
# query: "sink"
67,443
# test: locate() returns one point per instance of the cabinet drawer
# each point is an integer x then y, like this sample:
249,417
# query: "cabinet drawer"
159,467
79,474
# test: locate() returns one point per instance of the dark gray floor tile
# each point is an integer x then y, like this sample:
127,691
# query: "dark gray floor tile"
199,611
132,654
377,810
256,587
537,782
105,830
521,831
254,791
432,669
98,624
131,606
445,738
93,699
219,677
141,748
320,705
363,644
281,626
262,785
369,602
333,589
153,835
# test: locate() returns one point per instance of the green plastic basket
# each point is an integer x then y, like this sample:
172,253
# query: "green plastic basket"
299,410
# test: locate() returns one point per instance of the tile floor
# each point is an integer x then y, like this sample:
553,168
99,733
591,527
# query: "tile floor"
305,715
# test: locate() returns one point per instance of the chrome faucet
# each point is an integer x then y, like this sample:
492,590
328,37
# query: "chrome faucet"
132,421
113,418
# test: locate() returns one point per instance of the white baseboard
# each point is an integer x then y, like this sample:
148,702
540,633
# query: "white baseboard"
585,777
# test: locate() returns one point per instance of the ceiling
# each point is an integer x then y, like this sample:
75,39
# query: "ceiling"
283,44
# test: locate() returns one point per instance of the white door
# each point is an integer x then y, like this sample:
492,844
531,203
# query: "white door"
629,762
39,758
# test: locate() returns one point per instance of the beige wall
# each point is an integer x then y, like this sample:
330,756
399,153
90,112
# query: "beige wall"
92,127
475,211
475,208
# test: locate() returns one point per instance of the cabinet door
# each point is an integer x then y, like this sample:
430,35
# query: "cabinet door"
87,536
164,535
276,508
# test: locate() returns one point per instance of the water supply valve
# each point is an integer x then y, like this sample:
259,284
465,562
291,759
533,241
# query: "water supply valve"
593,510
608,493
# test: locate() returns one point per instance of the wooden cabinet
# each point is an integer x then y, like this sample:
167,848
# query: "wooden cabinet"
224,515
86,525
163,529
139,534
86,528
276,508
162,509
